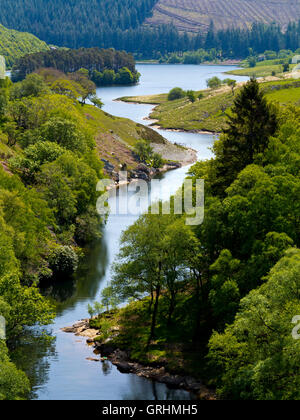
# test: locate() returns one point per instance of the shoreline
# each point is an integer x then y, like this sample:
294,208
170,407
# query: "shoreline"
154,122
204,63
121,359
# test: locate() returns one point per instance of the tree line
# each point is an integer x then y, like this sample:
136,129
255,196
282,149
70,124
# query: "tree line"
68,61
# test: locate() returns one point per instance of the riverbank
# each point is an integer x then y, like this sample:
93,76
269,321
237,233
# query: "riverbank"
208,114
106,349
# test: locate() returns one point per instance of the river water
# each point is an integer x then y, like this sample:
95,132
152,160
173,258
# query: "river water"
60,369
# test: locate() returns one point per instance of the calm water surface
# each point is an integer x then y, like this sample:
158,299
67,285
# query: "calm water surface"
59,369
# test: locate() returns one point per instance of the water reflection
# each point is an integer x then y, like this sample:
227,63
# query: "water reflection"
155,391
31,352
84,286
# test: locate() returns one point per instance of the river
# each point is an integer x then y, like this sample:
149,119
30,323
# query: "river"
59,369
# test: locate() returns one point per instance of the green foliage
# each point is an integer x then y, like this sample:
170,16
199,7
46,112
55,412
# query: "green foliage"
191,96
14,384
251,123
65,133
257,357
214,82
176,93
14,44
252,62
143,150
231,83
285,67
154,255
35,156
236,272
83,63
63,261
33,85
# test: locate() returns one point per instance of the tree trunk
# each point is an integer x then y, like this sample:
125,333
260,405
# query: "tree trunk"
151,301
199,300
154,315
171,308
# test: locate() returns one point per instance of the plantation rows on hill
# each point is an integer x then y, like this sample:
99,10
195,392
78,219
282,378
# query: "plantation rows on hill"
195,15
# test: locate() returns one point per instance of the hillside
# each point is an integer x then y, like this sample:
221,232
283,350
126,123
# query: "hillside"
153,28
74,24
195,15
14,44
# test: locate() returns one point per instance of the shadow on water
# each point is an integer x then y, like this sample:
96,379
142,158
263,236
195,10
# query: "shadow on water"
31,353
65,293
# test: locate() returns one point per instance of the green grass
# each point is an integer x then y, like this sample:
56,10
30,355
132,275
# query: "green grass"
286,96
262,69
206,114
146,99
209,113
116,137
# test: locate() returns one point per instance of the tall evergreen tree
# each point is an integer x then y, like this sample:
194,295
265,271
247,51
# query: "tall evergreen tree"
250,125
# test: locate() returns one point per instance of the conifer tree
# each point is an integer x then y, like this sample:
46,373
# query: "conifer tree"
250,125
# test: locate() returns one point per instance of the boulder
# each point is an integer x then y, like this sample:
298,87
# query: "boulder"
123,367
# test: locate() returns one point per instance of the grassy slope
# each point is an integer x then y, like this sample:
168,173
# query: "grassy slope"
262,69
14,44
116,136
209,113
195,15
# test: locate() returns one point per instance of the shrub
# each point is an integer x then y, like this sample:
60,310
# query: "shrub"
176,93
213,83
64,261
191,95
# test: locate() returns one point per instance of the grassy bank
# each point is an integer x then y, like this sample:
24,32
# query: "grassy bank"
262,69
209,112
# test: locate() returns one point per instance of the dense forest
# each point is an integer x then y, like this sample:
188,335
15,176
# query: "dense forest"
69,61
84,23
14,44
223,294
99,24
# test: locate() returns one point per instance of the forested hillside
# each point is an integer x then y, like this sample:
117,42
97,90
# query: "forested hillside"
120,24
51,145
84,23
14,44
195,15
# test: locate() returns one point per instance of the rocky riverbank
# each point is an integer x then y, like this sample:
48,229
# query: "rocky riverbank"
106,350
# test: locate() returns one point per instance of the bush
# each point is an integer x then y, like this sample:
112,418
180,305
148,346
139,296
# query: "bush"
157,160
213,83
176,93
191,95
64,261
